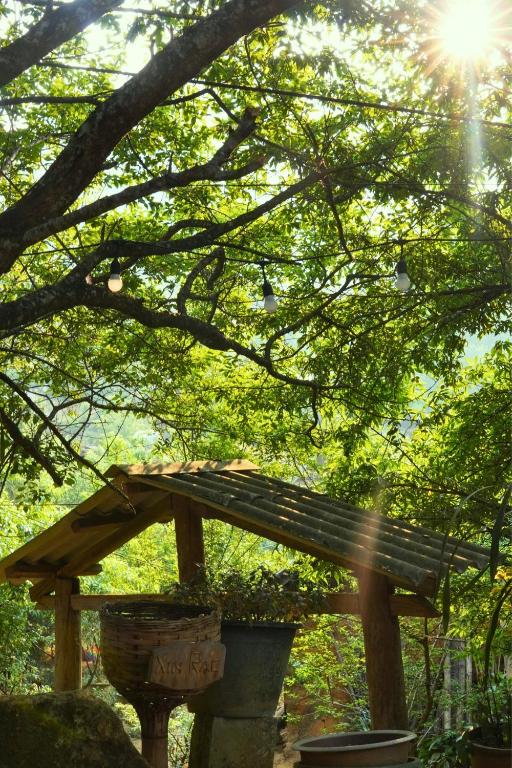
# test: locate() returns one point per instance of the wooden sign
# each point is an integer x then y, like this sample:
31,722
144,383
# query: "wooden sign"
187,666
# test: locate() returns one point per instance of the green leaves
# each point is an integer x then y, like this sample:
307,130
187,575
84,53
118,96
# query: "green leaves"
497,532
373,379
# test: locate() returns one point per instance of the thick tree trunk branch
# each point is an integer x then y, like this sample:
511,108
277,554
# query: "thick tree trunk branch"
163,183
209,171
171,68
52,30
69,291
205,333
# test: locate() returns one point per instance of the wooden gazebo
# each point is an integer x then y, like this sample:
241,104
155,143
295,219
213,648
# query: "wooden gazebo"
383,553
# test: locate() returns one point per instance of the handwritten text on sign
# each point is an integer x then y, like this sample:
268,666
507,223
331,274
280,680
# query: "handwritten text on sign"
183,665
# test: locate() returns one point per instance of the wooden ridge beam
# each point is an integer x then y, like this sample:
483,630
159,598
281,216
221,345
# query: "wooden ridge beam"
337,603
236,465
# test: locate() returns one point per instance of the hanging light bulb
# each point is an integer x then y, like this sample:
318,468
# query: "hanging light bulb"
115,281
402,281
269,300
89,279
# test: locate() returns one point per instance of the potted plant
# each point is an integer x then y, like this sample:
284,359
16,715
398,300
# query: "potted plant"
260,611
490,742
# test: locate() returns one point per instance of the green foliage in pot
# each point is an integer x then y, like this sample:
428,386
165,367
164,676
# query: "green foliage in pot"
492,711
260,595
446,750
493,700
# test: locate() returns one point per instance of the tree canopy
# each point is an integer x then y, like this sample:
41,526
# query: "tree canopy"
209,145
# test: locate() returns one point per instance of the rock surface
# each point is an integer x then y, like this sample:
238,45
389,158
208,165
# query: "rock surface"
63,730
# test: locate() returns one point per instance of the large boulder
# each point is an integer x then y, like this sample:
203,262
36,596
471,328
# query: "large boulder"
63,730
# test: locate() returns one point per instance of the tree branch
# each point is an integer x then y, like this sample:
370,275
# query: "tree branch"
55,431
205,333
18,100
69,291
48,33
209,171
171,68
28,446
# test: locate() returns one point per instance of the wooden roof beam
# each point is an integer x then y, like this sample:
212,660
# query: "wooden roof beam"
24,570
401,605
98,521
338,603
105,546
271,527
42,544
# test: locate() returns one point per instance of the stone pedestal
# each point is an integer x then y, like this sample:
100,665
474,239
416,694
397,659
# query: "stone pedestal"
225,742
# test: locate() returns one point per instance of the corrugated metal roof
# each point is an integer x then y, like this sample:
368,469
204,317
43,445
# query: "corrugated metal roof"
304,520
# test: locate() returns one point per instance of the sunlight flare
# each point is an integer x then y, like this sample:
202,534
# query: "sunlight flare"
467,29
467,33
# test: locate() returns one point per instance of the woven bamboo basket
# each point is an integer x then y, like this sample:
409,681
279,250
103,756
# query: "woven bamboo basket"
131,631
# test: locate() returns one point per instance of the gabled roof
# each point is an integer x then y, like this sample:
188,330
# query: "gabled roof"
237,493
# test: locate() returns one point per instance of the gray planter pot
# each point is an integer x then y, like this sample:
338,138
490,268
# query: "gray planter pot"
256,662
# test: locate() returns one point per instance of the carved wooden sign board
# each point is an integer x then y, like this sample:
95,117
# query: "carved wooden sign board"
186,666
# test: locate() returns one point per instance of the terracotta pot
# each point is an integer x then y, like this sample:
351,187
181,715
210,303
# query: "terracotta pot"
490,757
411,763
361,748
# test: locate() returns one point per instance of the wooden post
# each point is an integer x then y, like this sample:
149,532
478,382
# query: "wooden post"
189,537
154,726
383,651
68,643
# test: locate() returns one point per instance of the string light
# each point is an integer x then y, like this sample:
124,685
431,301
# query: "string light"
402,281
269,300
115,281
